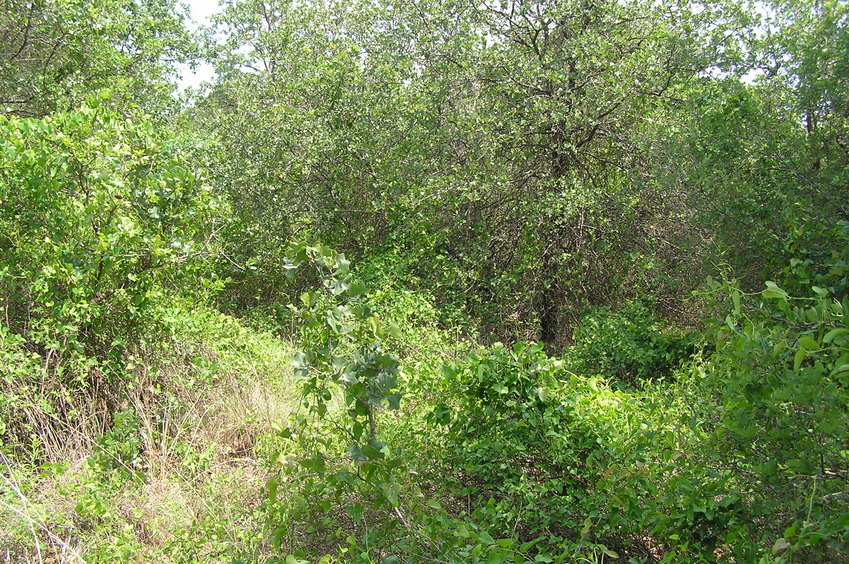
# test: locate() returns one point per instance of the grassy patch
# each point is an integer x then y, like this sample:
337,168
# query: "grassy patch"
177,473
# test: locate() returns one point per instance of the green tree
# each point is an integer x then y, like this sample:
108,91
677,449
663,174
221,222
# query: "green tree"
55,52
482,142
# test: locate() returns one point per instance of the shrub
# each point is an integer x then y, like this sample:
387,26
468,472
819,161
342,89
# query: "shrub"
777,389
629,344
100,222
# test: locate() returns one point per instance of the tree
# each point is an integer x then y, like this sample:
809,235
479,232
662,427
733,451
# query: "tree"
57,51
493,151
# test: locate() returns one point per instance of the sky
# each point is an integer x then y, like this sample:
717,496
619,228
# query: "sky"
201,10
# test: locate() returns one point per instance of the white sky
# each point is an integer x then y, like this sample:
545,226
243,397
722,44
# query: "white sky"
201,10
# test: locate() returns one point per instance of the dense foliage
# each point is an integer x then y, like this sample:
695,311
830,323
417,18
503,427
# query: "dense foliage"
443,281
102,224
54,52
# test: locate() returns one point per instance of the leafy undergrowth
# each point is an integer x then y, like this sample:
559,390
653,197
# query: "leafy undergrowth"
383,437
730,452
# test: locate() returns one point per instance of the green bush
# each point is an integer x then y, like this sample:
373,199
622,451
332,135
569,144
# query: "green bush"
508,437
101,222
120,448
630,344
774,397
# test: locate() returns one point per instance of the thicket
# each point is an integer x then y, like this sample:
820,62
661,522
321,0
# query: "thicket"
425,282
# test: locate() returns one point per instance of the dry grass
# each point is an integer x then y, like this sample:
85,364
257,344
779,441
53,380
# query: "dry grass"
202,464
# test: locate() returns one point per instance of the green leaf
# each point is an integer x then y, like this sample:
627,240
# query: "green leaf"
361,408
299,360
371,452
780,546
808,343
271,488
349,375
277,536
355,511
343,265
790,531
357,453
485,538
393,330
357,289
314,464
830,336
798,358
339,287
392,492
525,547
496,557
773,291
393,401
588,525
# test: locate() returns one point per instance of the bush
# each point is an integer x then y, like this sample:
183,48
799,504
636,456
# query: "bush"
629,344
774,397
518,447
100,224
